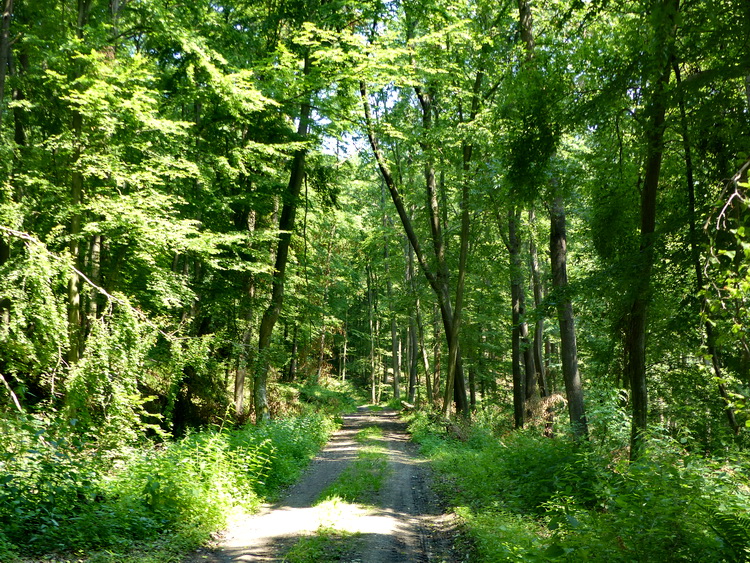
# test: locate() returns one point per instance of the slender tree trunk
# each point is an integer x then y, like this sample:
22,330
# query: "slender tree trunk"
94,273
292,374
413,347
635,339
240,375
245,358
516,296
438,281
342,370
425,359
566,320
4,52
371,315
413,360
711,346
538,290
286,226
326,285
76,201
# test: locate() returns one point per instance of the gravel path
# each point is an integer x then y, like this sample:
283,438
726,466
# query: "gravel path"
406,525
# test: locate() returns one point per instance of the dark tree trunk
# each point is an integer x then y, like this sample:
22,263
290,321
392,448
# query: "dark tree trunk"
286,226
538,344
438,281
76,220
711,346
516,298
4,53
635,338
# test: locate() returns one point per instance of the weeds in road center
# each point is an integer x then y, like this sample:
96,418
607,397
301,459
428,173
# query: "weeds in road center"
327,544
361,481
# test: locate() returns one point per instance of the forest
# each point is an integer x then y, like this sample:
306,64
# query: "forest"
225,223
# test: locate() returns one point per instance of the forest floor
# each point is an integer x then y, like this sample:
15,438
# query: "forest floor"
403,522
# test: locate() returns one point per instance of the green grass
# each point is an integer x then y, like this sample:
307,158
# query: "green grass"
327,544
362,480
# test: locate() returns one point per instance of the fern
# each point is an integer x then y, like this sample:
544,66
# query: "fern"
734,529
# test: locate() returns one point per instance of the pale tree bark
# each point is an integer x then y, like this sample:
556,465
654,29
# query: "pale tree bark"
326,285
395,341
538,290
292,373
345,344
94,262
286,226
566,320
245,356
413,353
371,317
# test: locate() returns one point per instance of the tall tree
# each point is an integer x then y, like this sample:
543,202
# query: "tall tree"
663,26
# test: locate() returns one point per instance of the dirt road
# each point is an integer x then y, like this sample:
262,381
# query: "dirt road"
404,525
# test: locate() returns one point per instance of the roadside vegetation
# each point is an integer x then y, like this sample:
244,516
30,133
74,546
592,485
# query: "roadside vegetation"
63,493
522,496
215,213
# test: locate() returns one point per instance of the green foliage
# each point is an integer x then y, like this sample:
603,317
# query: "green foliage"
529,498
34,339
328,399
503,536
61,494
102,394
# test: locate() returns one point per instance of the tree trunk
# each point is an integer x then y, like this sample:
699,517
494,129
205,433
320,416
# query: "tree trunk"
94,273
76,219
635,339
245,358
371,316
566,320
711,346
516,297
538,290
342,370
286,226
438,281
292,373
4,53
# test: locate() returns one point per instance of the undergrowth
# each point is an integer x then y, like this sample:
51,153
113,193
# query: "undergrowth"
525,497
62,493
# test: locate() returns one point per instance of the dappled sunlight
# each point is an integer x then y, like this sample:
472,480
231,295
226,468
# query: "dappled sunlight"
395,527
259,536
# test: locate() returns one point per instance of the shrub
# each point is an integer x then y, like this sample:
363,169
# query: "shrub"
59,494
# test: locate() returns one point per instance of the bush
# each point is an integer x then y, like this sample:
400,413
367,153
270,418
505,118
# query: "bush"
58,494
524,497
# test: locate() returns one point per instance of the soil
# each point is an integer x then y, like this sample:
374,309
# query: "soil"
406,523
